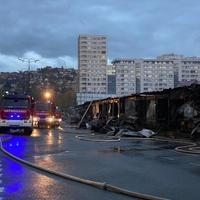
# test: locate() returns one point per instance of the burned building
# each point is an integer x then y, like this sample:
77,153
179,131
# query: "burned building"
176,110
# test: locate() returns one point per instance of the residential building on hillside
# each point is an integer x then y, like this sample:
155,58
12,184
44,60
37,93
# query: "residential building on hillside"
60,79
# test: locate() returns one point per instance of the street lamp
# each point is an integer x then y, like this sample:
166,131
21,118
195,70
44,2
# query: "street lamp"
47,95
29,61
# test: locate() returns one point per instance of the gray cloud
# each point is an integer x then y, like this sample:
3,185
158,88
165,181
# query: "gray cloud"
134,28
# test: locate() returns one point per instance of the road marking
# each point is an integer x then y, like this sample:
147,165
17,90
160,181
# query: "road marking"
195,164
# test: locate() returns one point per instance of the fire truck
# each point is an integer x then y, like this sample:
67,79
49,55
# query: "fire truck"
44,114
16,113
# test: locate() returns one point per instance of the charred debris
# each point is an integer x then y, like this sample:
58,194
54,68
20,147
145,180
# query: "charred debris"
171,112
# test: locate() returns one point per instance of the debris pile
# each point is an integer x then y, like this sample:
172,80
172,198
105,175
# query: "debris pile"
119,127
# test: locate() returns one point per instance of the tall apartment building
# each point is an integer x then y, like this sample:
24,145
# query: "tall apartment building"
143,75
92,65
125,76
186,69
156,75
128,76
92,62
163,72
189,72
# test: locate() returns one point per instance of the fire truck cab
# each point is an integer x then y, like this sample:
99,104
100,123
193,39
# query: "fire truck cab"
16,113
44,114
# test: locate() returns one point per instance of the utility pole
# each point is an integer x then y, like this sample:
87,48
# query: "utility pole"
29,61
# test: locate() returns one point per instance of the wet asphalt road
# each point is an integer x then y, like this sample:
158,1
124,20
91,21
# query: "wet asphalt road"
150,167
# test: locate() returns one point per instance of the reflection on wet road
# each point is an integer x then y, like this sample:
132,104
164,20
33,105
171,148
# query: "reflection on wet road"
151,167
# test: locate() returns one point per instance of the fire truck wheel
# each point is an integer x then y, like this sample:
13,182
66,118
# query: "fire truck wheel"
28,131
2,130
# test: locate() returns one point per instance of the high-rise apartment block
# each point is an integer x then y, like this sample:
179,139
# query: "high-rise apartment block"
186,69
128,76
125,76
189,71
92,62
92,67
145,75
156,75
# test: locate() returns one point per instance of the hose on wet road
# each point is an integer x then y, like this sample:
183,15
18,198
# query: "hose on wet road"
192,148
98,140
189,148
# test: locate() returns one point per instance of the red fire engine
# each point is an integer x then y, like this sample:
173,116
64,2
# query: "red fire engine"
16,113
44,114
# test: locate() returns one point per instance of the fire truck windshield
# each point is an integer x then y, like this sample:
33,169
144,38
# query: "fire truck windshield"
14,103
43,107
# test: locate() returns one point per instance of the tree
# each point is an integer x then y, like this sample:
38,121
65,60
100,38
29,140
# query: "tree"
66,100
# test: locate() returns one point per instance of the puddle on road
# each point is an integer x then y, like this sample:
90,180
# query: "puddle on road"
50,153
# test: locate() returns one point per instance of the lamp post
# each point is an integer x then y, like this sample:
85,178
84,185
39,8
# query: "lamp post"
47,95
29,61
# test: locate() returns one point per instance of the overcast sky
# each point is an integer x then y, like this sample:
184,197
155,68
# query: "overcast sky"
48,29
